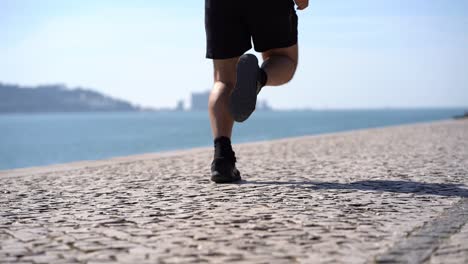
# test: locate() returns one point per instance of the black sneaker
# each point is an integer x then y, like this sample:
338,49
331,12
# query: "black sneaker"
244,96
223,170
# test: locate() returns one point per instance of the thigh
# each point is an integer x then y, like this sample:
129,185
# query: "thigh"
290,52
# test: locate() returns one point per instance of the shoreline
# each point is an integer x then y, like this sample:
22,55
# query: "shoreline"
74,165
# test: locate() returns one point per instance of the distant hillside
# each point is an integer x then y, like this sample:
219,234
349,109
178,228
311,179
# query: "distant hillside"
57,98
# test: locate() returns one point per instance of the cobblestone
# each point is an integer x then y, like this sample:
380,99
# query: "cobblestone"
455,250
349,197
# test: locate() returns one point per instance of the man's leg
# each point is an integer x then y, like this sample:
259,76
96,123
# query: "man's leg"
280,65
224,81
278,68
223,168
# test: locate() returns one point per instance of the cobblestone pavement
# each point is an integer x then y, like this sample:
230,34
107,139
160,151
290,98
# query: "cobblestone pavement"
382,195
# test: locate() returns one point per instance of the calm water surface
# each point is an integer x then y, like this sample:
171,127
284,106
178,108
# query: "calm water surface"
42,139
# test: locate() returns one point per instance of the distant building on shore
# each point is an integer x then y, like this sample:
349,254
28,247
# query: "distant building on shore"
180,106
199,102
262,105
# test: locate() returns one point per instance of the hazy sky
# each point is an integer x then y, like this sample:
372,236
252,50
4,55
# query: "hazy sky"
353,53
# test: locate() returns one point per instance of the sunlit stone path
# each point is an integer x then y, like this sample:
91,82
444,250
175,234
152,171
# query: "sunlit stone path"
396,194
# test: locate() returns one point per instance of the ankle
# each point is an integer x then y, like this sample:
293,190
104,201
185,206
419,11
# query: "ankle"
223,148
262,79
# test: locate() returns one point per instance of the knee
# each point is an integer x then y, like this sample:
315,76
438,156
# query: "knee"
291,68
286,62
219,94
293,62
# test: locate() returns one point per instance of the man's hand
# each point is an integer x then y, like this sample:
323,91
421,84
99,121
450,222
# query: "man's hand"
302,4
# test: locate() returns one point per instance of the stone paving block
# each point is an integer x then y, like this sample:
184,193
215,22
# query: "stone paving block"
453,250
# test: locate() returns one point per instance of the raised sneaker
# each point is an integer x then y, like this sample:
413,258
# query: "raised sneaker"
244,96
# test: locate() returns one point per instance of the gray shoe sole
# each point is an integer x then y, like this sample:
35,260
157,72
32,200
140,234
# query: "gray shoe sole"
244,96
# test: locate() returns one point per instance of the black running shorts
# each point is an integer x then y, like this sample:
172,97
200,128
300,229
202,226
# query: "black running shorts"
231,24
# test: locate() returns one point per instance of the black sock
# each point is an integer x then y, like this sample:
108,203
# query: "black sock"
262,79
223,148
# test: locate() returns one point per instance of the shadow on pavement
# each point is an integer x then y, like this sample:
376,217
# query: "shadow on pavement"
442,189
